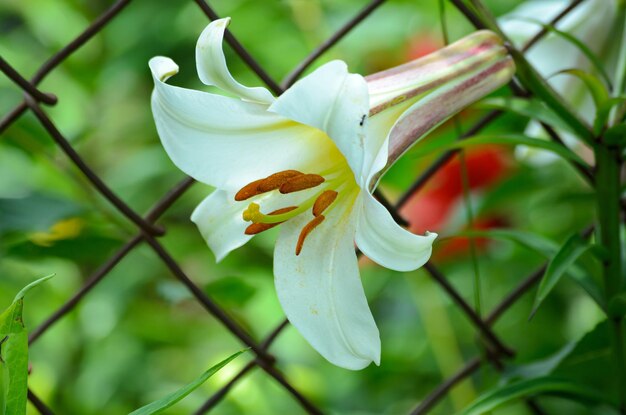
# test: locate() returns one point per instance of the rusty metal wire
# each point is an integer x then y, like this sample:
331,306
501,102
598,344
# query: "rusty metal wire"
148,231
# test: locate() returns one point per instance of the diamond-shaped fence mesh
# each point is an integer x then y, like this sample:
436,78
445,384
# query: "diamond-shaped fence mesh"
148,230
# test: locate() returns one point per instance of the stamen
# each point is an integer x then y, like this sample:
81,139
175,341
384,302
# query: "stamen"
260,227
307,230
305,181
270,183
249,190
323,201
276,180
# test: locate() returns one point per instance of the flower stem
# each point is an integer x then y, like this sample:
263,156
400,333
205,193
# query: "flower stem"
608,205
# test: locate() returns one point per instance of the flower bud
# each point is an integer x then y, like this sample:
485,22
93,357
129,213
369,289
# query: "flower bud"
437,86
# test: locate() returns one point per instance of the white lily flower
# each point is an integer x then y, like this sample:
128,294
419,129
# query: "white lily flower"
308,161
590,22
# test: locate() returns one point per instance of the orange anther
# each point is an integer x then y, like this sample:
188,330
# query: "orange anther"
323,201
305,181
260,227
270,183
283,210
276,180
307,230
249,190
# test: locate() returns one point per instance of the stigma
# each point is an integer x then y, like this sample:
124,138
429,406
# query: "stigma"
286,182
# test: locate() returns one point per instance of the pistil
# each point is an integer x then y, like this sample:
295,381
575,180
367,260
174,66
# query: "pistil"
260,227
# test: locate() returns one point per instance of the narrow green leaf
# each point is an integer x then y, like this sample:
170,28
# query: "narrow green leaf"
604,111
547,248
540,87
32,285
547,385
504,139
567,255
599,93
526,107
169,400
584,49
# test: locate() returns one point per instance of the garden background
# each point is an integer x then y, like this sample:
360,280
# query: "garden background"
138,332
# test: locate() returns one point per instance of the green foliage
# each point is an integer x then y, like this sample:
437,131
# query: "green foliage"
14,354
593,58
505,394
531,108
169,400
587,362
566,256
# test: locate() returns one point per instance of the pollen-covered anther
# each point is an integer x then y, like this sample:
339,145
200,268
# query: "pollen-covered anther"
276,180
323,201
308,228
268,184
249,190
260,227
305,181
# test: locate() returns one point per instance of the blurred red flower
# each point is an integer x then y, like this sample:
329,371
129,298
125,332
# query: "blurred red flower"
432,208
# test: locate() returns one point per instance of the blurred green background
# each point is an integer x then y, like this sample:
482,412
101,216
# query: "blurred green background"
139,334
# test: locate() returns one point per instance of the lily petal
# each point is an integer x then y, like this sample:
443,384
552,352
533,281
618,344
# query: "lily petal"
212,69
321,292
336,102
226,142
219,220
388,244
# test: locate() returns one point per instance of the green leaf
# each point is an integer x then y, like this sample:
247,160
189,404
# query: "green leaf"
526,107
587,361
32,285
591,362
538,368
504,139
584,49
547,385
4,380
571,250
540,87
15,352
15,356
599,93
169,400
548,249
34,213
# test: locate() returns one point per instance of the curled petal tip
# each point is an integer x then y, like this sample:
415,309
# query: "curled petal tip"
162,68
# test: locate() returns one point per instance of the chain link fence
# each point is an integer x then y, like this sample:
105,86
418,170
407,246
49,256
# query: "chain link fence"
148,230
